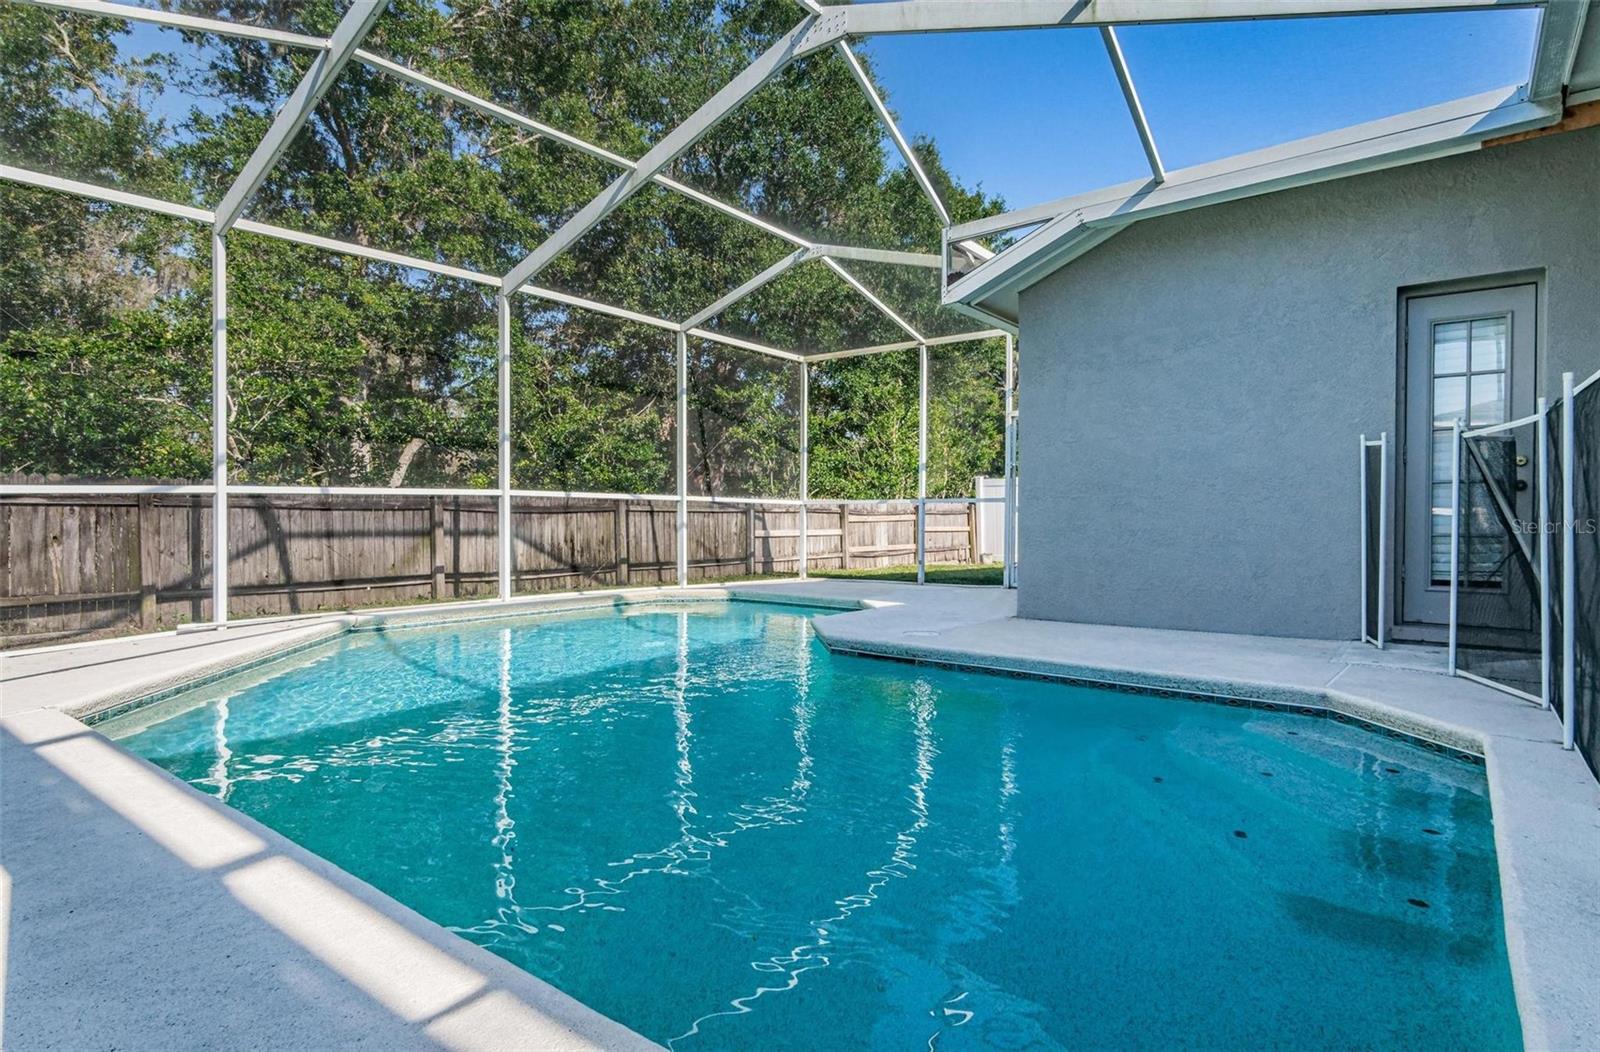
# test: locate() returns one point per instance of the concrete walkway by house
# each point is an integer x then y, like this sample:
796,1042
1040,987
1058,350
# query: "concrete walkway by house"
145,914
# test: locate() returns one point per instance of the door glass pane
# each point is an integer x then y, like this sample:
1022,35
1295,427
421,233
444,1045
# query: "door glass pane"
1488,399
1439,550
1477,347
1449,400
1450,347
1489,336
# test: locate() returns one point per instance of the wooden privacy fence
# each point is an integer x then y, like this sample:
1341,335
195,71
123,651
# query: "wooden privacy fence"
86,566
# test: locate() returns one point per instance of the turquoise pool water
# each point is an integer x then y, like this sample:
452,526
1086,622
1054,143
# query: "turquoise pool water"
698,821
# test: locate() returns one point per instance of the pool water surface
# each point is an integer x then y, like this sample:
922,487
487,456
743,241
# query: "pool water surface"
698,821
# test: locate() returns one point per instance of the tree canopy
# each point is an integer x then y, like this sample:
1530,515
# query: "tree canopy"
348,371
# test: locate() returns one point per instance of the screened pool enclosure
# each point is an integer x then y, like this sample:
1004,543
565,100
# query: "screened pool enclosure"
481,298
586,354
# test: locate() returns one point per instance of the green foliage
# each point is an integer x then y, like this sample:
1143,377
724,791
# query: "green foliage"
864,427
744,423
130,399
592,403
346,371
936,573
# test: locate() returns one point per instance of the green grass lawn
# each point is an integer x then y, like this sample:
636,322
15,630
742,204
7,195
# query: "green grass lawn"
938,573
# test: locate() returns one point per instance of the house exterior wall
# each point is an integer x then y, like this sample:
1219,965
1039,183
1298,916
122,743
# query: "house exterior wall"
1194,387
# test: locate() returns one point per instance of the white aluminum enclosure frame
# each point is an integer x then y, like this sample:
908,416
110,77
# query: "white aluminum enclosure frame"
219,427
805,471
1382,622
1569,571
1542,411
1455,539
821,27
922,463
1008,532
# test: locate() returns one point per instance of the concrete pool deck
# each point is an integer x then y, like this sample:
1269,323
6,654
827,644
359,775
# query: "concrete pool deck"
137,912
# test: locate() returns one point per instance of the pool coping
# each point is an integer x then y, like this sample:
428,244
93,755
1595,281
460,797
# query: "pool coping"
1547,823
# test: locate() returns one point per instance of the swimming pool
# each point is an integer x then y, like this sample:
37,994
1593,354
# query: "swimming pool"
698,821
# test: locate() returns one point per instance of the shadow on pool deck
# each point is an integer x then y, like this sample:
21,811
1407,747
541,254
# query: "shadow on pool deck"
137,913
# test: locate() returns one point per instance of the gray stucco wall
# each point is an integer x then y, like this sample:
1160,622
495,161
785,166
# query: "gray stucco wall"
1192,389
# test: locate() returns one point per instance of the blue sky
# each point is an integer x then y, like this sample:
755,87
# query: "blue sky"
1036,114
1033,115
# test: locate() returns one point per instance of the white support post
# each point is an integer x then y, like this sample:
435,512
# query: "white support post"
219,429
1569,574
805,466
1383,538
1455,538
502,304
922,463
1008,527
1366,528
1542,519
682,532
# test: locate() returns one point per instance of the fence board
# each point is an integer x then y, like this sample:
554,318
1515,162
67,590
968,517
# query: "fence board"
113,564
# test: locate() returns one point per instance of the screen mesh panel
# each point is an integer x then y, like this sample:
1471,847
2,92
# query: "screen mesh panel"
384,163
966,415
807,309
1499,622
864,427
831,181
1586,555
662,254
348,372
105,342
744,423
913,294
133,106
593,401
604,72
